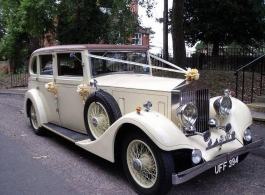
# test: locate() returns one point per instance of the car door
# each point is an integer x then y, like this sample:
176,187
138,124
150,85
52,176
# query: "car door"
45,77
70,103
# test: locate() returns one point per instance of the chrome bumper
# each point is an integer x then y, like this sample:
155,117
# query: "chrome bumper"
178,178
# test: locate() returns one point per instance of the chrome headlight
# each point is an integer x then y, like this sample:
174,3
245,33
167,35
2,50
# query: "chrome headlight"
247,135
188,114
196,156
223,105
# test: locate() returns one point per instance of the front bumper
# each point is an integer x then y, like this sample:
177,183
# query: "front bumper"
178,178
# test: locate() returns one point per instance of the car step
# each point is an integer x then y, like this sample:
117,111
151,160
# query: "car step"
66,133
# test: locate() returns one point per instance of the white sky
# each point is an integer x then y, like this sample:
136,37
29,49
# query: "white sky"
157,39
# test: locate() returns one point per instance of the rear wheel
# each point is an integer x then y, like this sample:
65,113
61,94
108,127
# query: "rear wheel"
148,168
34,120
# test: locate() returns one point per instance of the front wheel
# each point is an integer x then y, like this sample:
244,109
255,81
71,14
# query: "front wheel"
148,168
243,156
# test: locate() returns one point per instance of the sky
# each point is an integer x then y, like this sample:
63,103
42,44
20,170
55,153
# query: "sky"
157,39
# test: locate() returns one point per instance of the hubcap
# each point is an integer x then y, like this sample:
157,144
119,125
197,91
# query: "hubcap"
95,122
137,165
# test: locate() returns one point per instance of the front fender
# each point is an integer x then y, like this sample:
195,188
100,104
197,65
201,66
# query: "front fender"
240,117
163,132
33,96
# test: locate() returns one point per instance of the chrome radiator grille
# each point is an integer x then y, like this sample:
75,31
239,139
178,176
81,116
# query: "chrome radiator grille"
200,98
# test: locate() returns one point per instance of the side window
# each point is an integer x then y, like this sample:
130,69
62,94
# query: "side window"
68,66
34,65
46,64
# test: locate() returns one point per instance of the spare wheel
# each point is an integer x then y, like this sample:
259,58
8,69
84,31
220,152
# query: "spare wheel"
100,112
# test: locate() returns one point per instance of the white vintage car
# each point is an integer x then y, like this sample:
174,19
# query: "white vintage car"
105,99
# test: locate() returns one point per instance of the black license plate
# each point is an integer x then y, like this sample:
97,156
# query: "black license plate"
226,165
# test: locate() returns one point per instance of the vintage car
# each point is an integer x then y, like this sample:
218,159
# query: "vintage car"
106,99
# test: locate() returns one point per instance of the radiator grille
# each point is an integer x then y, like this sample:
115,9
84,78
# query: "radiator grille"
200,98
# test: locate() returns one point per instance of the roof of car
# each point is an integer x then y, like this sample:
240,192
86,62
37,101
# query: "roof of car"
94,47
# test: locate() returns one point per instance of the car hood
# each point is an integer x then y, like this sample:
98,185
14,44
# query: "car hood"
139,81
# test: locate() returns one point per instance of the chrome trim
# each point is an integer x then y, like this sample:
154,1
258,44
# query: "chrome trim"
220,142
201,100
178,178
198,93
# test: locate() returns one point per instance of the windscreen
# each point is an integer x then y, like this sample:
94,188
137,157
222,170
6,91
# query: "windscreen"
111,62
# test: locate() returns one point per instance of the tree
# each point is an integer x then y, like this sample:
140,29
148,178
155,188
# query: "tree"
175,25
223,22
95,21
179,50
165,30
28,23
25,23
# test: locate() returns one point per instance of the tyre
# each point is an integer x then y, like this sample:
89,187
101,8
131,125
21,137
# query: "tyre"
243,156
33,119
101,110
148,168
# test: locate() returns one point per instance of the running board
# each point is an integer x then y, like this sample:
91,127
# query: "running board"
66,133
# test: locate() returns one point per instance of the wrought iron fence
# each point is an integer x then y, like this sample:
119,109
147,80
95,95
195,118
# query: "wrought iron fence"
248,65
19,78
250,80
227,58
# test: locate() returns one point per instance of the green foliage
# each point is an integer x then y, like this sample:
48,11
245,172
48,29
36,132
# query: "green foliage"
123,23
95,22
148,5
224,21
24,21
79,22
25,24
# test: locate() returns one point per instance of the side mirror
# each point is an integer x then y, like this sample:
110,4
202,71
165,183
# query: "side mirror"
72,56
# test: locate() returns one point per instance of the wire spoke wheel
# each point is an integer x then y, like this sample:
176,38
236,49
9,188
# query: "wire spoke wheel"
142,164
33,117
148,168
100,112
98,119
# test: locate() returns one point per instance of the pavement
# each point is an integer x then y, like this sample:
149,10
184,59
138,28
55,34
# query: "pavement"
257,128
19,91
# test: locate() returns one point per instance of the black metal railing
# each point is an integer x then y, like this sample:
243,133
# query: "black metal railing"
19,79
227,58
249,80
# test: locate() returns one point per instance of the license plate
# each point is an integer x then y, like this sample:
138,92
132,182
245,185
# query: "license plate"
225,165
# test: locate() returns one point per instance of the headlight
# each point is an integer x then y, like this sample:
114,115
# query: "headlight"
196,156
223,106
247,135
187,114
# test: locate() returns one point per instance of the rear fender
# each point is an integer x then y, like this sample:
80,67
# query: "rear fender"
33,97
